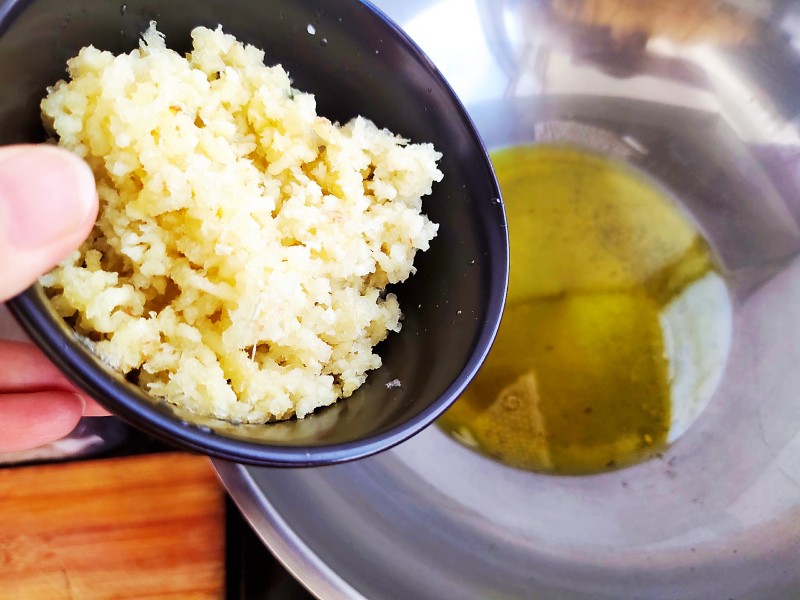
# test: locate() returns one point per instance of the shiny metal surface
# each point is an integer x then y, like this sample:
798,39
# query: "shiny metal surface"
704,97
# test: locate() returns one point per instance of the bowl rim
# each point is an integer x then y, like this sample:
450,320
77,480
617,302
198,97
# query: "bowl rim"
75,360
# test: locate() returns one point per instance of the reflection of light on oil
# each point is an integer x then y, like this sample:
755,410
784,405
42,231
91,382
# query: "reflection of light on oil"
696,326
617,324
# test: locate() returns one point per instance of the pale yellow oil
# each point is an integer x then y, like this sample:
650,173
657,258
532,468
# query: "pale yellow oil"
578,381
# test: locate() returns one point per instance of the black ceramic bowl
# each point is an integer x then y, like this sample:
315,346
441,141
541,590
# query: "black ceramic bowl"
357,63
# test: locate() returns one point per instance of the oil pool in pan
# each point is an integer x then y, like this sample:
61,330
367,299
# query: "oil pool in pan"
617,323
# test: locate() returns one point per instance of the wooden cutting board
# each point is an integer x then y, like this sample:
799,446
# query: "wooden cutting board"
145,527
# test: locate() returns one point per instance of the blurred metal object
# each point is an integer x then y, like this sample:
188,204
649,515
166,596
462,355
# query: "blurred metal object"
704,96
92,436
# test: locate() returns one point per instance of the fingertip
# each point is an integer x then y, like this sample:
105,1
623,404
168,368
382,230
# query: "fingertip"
48,204
47,193
31,420
81,179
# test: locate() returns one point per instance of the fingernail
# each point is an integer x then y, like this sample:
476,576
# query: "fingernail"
45,194
83,403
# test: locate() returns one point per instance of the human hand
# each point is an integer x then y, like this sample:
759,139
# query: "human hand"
48,204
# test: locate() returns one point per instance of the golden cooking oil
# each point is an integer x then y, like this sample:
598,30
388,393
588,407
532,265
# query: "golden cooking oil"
578,380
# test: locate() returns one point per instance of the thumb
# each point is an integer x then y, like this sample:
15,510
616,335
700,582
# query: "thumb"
48,204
